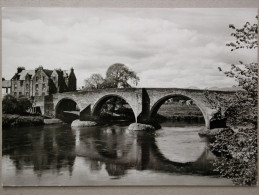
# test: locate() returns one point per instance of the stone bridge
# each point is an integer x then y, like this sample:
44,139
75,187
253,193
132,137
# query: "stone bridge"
144,102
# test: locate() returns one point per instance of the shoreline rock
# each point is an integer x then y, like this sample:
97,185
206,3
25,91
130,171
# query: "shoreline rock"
78,123
140,127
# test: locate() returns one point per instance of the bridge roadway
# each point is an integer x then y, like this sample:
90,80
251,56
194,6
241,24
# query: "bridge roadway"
144,102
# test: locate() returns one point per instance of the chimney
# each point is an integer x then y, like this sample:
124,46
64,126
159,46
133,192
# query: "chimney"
20,69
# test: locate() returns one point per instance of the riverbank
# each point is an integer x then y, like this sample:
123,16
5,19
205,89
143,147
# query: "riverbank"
177,112
14,120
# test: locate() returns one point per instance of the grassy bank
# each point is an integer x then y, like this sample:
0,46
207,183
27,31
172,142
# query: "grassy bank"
175,111
13,120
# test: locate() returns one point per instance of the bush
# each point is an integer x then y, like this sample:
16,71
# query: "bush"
12,105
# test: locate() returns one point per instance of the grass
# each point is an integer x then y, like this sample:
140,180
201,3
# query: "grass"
176,109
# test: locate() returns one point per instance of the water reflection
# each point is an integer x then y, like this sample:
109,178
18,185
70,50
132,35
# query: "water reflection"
43,148
111,148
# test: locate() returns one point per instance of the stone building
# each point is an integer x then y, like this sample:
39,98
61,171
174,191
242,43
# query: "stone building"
40,83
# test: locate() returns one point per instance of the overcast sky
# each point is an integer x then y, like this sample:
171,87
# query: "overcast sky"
165,47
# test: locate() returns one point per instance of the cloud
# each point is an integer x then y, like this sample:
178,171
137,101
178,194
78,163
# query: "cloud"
166,47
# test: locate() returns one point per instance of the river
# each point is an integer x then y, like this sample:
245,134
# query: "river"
58,155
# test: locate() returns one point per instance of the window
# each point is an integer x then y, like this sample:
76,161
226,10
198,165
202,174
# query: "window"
37,87
15,86
15,94
43,94
20,94
54,78
27,94
21,83
27,86
37,79
36,93
43,86
43,78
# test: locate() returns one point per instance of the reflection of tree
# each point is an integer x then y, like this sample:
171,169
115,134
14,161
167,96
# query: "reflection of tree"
43,148
95,165
114,169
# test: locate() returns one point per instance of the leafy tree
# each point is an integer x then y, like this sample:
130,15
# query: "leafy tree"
12,105
23,105
118,76
238,145
9,104
94,82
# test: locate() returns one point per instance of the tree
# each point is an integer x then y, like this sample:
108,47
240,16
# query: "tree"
12,105
118,76
9,104
23,105
238,145
94,82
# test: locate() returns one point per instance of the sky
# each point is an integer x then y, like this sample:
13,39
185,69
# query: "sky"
165,47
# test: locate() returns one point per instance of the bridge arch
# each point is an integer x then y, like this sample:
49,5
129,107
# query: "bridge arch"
100,102
154,109
66,104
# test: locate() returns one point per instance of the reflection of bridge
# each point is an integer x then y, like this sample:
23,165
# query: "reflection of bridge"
56,147
134,150
144,102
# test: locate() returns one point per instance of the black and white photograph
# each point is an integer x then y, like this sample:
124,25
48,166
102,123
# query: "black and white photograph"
129,96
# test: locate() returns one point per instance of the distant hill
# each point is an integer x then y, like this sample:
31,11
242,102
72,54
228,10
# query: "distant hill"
225,88
218,88
214,88
192,87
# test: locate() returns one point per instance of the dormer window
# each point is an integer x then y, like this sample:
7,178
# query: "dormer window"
37,79
43,78
21,83
54,78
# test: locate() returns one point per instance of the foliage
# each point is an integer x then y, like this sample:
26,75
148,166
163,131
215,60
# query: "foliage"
237,146
9,104
94,82
246,37
12,105
119,76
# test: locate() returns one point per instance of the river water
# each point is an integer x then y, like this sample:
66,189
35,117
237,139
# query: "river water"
107,155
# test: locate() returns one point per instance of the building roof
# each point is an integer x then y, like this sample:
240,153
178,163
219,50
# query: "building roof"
25,72
65,73
48,72
6,84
